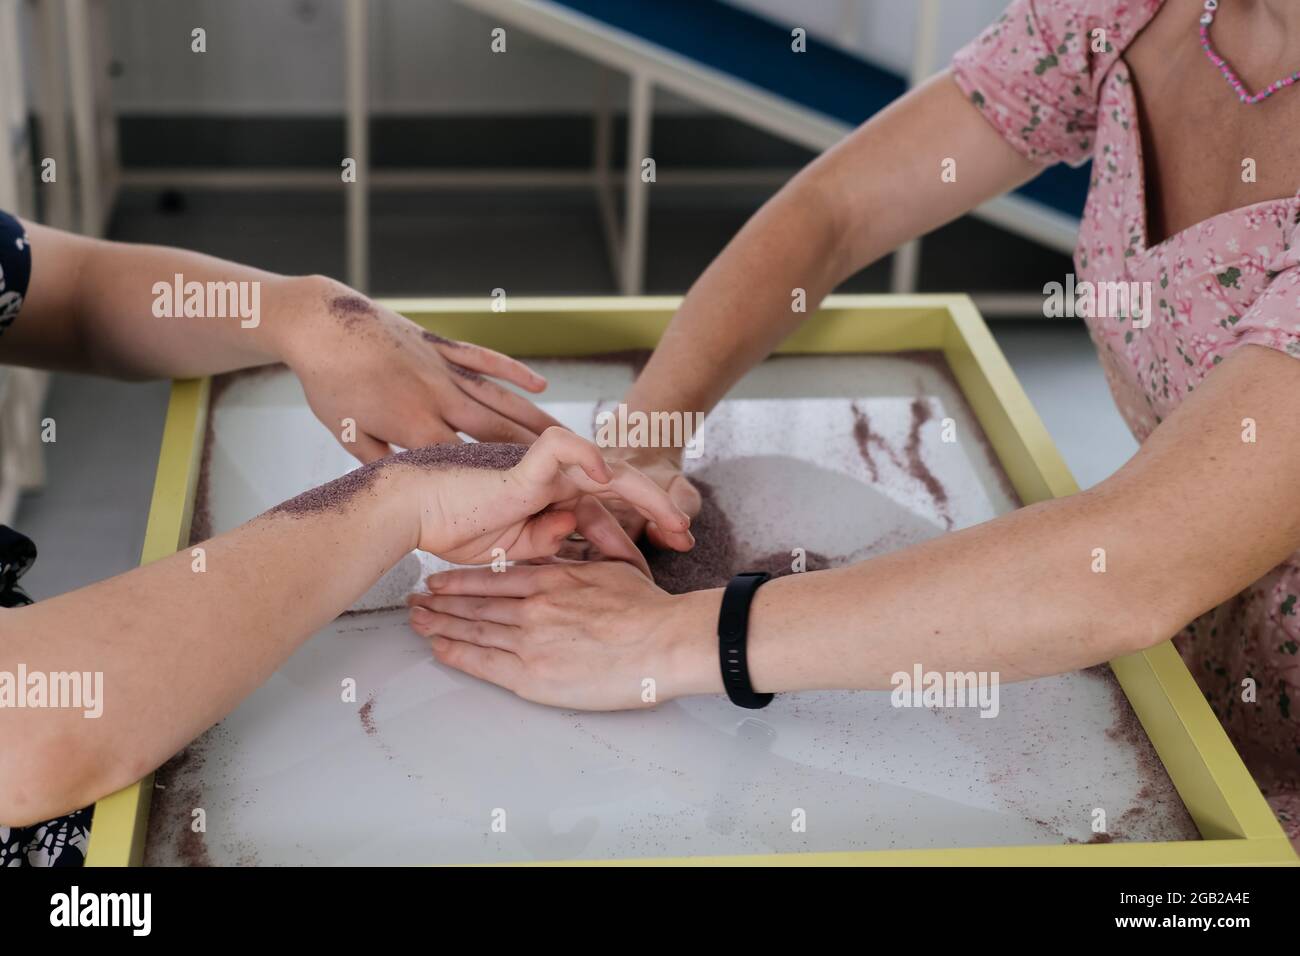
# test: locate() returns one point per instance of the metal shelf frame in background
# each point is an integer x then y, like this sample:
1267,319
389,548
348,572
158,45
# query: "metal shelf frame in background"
649,68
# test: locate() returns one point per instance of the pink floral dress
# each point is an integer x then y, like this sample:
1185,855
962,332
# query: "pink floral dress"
1229,281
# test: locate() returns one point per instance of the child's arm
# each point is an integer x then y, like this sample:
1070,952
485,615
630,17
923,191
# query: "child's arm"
180,647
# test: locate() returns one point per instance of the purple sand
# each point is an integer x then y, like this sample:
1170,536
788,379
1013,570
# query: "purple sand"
916,465
351,308
863,436
176,793
866,438
201,521
709,563
463,372
334,494
366,714
715,559
910,459
435,339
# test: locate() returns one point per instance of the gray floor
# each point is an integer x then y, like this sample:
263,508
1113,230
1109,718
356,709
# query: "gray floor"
89,520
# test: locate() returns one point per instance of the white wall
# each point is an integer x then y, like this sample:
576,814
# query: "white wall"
286,56
428,56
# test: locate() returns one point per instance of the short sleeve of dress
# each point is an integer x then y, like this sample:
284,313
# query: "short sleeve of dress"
1273,319
1036,73
15,268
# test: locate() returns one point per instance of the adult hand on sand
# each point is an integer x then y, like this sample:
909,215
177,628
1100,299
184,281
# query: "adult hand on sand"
494,500
588,636
375,378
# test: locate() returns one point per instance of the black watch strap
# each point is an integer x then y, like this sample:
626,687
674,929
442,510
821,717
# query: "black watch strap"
733,638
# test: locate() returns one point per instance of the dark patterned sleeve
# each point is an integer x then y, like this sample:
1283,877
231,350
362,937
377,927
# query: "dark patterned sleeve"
63,841
15,268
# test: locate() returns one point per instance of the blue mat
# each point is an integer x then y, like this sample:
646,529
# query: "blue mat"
825,79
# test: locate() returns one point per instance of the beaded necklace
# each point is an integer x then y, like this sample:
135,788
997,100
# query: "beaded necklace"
1207,18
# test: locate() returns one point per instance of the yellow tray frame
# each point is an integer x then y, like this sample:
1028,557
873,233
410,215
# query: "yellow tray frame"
1235,822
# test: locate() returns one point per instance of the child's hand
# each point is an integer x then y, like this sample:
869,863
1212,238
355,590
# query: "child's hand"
376,379
486,502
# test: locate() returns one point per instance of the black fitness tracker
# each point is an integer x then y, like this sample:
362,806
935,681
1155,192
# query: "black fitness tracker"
733,633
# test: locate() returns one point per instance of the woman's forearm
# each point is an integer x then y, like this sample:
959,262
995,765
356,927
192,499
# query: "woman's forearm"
181,641
742,306
1059,585
1019,596
890,181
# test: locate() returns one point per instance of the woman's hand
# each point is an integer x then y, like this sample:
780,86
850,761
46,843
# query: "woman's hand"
377,379
590,636
491,501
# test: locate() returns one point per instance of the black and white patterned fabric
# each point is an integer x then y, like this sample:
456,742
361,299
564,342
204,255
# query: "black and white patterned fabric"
15,268
60,842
